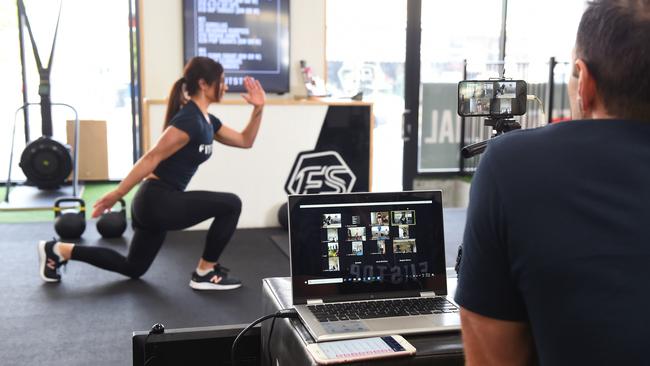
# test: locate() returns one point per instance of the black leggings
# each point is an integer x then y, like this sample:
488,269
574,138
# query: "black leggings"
158,207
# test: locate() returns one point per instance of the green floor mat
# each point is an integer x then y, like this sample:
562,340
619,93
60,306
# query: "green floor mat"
91,193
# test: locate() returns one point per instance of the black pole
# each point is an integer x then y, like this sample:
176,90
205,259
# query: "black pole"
21,41
461,160
563,92
551,87
138,79
411,92
134,64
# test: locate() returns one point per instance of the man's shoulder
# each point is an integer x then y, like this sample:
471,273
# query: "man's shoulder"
562,135
523,137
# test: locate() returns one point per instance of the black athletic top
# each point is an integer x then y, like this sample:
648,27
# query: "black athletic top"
179,168
558,235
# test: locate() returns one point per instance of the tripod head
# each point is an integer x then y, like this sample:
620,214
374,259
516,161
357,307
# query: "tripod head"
499,100
499,126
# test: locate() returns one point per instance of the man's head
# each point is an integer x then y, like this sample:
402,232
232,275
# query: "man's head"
611,70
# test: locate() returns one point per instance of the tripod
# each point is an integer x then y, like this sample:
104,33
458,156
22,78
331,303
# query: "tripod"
499,126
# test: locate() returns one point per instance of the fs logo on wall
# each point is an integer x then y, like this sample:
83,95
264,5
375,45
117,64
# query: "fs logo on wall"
320,172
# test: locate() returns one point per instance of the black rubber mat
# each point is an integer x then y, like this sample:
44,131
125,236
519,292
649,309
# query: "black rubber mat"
282,242
88,318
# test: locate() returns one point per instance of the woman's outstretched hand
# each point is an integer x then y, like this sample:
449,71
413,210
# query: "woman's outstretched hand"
255,95
105,203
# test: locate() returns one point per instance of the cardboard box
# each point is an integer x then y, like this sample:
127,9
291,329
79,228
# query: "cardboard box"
93,149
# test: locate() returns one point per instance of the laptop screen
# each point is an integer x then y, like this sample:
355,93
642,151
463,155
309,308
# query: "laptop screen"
366,245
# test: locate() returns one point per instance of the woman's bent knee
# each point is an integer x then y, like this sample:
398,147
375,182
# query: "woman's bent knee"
234,202
133,272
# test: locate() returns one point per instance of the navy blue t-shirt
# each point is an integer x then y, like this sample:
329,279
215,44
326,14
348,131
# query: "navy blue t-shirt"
179,168
558,235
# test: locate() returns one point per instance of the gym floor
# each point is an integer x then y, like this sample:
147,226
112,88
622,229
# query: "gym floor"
89,317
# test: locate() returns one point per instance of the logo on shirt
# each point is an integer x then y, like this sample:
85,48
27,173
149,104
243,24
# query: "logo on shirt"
320,172
206,149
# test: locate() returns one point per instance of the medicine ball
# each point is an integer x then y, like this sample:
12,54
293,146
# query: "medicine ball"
70,222
46,163
112,224
283,216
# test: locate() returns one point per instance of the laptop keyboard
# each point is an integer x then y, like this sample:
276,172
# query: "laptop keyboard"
382,309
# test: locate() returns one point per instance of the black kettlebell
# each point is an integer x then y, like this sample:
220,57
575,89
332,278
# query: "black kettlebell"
283,216
112,224
70,221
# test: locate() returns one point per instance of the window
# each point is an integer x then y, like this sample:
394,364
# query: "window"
453,32
90,71
456,31
537,31
366,47
10,92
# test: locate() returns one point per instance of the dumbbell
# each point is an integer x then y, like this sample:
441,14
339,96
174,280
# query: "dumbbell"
112,224
70,221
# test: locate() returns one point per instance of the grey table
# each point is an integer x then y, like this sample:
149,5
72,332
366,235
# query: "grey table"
290,337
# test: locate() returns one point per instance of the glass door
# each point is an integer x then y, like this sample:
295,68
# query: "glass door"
466,39
440,38
365,53
91,71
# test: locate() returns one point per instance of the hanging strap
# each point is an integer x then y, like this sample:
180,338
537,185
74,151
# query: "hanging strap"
43,72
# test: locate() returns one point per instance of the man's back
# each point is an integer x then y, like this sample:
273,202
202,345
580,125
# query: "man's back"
565,243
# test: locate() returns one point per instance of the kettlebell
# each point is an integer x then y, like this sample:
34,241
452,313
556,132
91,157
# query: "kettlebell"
70,221
112,224
283,216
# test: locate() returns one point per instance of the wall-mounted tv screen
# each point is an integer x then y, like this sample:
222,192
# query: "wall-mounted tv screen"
248,37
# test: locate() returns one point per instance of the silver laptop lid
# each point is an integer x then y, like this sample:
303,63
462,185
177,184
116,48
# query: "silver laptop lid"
356,246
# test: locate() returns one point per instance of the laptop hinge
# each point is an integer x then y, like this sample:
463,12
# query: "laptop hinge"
427,294
314,301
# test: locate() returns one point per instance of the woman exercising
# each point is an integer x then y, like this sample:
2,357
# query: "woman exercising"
161,203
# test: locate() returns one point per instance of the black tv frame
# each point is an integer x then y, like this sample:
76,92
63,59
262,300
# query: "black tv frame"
286,83
194,346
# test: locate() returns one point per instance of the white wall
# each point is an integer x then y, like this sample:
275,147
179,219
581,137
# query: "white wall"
257,175
162,44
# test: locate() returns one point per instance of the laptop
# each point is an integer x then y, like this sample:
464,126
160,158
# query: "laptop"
369,264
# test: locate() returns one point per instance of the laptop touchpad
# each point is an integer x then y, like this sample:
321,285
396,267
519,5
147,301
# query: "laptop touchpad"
345,327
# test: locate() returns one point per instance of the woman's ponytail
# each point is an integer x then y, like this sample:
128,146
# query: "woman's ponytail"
175,101
198,68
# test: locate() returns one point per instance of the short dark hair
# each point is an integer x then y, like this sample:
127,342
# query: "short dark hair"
614,41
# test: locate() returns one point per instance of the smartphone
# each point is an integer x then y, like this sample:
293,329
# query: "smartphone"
493,98
328,353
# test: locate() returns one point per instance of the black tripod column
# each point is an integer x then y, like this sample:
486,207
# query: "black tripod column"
551,88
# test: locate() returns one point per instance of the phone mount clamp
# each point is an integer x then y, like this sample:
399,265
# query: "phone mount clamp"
499,126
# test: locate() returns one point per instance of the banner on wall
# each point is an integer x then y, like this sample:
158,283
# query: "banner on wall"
439,135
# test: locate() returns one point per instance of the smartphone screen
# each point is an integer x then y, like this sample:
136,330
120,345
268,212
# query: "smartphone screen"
360,347
495,98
